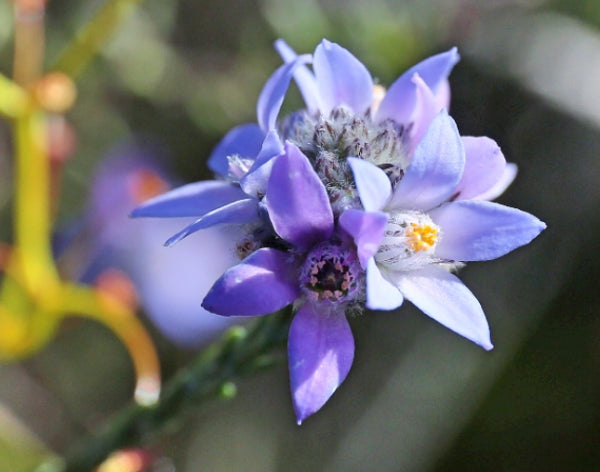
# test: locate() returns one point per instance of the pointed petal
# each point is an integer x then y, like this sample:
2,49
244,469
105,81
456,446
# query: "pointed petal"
366,228
435,169
475,230
244,140
373,185
255,181
238,212
443,297
297,201
320,353
272,95
342,79
484,167
508,175
401,98
190,200
304,78
264,282
381,293
426,109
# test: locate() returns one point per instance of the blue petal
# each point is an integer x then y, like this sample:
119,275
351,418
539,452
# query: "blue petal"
484,167
190,200
297,201
342,79
366,228
381,293
401,98
435,170
443,297
255,181
304,78
264,282
244,140
373,185
320,354
238,212
475,230
273,93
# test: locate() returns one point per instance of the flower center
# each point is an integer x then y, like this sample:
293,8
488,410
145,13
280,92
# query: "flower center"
409,241
422,237
331,272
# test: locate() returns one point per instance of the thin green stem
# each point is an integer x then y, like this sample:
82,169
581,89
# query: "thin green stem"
241,352
93,35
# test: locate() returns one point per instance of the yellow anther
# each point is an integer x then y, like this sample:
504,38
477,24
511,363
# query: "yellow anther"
55,92
379,92
422,237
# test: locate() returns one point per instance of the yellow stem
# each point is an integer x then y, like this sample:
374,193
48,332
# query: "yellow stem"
126,325
32,202
14,101
93,35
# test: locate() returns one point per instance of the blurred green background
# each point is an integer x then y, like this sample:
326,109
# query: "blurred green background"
419,398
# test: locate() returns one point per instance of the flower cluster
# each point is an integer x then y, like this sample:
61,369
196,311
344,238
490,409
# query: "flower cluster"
362,199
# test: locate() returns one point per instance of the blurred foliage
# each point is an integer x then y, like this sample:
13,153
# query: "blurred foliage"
182,73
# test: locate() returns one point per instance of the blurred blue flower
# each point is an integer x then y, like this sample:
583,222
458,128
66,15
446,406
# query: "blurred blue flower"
362,199
170,284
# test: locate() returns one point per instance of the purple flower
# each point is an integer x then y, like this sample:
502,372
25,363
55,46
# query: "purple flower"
358,201
314,267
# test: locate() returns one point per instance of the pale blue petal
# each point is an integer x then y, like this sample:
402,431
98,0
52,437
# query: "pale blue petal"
297,201
401,98
342,79
239,212
244,140
476,230
373,185
194,199
484,167
443,297
272,95
508,175
255,181
435,169
426,109
381,293
320,354
304,78
366,228
264,282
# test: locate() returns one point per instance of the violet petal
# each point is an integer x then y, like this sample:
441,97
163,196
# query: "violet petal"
297,201
262,283
320,353
304,78
194,199
366,228
238,212
272,95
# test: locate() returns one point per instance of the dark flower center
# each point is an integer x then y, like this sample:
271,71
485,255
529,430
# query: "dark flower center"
331,272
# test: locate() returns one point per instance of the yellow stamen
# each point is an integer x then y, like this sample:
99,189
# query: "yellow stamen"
422,237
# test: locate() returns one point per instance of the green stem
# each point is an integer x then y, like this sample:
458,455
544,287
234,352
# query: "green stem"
241,352
93,35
